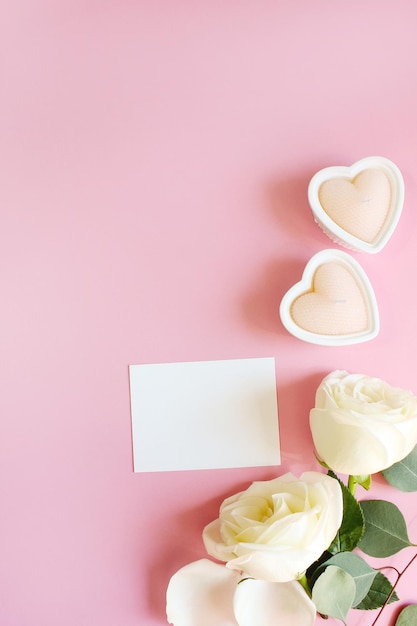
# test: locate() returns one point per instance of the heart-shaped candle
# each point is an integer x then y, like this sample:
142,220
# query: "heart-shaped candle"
333,304
359,206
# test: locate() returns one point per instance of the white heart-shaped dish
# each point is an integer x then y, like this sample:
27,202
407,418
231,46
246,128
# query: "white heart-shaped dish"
359,206
334,303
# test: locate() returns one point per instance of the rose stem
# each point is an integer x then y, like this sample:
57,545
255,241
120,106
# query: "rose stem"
304,583
352,485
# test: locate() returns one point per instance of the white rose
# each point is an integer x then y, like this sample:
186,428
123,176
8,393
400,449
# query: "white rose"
276,529
204,593
362,425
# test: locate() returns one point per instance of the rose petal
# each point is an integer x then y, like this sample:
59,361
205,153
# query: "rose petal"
214,544
281,551
260,603
361,424
279,567
201,594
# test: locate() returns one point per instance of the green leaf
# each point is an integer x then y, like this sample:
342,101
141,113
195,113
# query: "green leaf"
408,616
353,524
364,480
403,475
385,529
377,594
316,568
362,573
334,593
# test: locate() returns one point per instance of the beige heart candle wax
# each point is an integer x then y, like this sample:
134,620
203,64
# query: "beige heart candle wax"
359,206
333,304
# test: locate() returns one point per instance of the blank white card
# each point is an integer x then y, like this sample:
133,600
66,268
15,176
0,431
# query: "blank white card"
204,415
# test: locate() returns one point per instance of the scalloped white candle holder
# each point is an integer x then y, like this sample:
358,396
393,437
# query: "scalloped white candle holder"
359,206
334,303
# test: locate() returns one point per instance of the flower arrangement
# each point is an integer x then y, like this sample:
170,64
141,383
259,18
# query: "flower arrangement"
291,550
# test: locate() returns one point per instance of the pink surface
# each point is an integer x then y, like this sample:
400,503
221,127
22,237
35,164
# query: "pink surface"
155,159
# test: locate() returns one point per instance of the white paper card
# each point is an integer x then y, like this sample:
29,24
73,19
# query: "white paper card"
204,415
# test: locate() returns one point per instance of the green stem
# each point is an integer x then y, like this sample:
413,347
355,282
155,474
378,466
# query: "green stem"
304,583
352,485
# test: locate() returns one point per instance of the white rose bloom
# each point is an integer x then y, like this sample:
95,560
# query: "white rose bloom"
204,593
362,425
276,529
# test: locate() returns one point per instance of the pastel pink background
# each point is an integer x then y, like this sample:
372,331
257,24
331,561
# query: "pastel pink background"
155,158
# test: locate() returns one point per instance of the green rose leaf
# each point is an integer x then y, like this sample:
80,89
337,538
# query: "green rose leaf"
385,529
334,593
377,594
408,616
362,573
353,524
316,568
364,480
403,475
